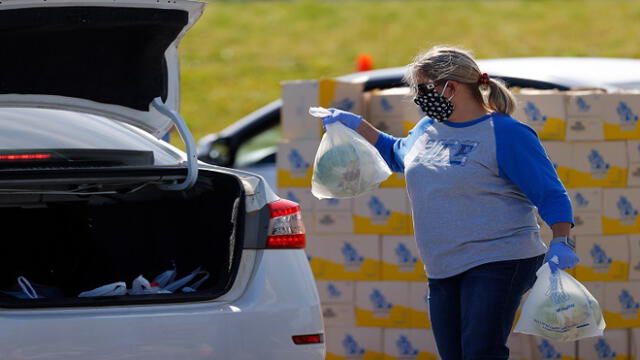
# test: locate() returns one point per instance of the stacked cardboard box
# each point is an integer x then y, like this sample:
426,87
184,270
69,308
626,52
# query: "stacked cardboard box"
592,139
369,275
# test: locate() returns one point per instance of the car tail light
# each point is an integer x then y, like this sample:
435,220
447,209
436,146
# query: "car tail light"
286,230
308,339
23,157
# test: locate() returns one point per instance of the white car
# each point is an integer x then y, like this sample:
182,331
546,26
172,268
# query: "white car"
91,199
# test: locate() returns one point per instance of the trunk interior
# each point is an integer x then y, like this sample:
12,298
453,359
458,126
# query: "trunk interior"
68,244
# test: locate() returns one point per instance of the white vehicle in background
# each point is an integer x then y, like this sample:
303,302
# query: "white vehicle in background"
90,196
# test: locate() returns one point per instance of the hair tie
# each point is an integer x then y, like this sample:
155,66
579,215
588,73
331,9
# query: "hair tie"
484,79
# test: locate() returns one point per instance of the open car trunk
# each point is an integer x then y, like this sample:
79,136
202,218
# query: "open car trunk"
68,244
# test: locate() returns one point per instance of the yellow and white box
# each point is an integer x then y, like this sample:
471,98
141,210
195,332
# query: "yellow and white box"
584,115
401,260
294,163
302,196
613,345
597,289
333,204
586,199
620,215
585,129
405,344
338,315
519,346
333,222
382,211
336,292
548,349
395,180
560,154
599,164
587,223
354,343
602,258
298,96
418,307
621,304
634,253
620,114
346,257
395,108
633,152
382,303
544,111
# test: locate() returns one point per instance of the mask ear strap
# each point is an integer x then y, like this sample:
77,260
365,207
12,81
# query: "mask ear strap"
444,89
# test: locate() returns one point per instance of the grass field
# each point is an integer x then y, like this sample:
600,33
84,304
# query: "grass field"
235,57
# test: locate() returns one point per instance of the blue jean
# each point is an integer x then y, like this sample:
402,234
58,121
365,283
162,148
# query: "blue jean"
472,313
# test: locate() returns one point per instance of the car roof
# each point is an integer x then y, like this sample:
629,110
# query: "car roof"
571,72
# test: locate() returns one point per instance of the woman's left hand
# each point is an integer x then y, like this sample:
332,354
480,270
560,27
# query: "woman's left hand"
561,256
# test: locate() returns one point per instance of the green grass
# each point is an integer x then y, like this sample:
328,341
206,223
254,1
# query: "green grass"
235,57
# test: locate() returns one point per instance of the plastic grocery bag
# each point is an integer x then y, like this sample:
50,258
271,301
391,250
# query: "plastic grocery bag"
346,165
114,289
560,308
142,286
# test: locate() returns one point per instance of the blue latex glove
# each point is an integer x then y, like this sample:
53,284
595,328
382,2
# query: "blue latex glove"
350,120
560,256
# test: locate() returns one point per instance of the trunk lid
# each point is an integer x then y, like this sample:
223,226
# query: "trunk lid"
106,58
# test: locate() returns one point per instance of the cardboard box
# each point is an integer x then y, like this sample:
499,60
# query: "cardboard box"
620,114
614,345
585,103
346,257
621,306
634,343
294,163
620,215
333,204
338,315
383,211
634,262
602,258
599,164
544,111
586,200
354,343
585,129
383,304
401,260
302,196
418,307
298,96
633,151
396,180
519,346
560,154
393,111
587,223
547,349
404,344
596,289
333,222
633,178
336,292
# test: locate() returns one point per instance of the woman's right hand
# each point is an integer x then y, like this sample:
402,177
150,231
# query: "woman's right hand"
350,120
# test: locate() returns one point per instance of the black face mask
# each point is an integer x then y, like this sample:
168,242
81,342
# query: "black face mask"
432,103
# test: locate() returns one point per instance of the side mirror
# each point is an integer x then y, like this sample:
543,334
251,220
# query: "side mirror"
215,150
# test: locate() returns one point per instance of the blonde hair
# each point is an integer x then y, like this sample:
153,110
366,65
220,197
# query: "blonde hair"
443,63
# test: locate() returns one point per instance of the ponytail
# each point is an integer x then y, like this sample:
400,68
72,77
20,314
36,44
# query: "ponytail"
500,98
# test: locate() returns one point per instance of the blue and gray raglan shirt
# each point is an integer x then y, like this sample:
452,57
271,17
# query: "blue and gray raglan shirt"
473,188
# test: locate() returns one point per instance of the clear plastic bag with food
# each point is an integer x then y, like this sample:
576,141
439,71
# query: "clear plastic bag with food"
560,308
346,164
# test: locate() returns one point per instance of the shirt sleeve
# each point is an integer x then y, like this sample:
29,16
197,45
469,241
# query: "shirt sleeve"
393,149
523,161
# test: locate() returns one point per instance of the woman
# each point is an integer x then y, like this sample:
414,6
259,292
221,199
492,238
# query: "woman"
474,175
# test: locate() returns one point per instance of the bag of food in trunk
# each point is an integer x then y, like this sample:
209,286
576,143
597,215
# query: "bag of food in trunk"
560,308
346,165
